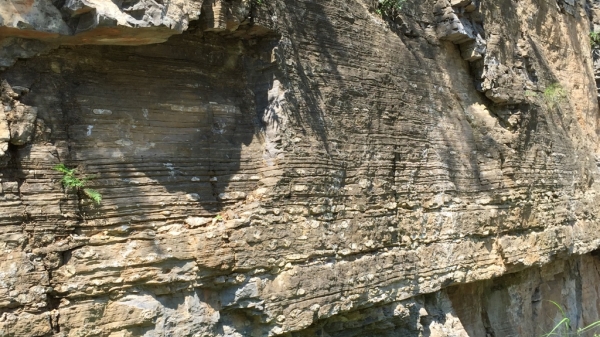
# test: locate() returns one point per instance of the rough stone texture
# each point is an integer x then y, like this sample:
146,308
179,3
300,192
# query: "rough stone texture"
17,120
42,18
300,168
20,118
105,22
594,14
505,306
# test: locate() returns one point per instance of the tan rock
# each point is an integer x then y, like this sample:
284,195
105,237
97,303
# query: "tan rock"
297,168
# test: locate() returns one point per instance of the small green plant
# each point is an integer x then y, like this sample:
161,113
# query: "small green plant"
71,180
554,94
595,40
530,94
563,328
216,219
389,7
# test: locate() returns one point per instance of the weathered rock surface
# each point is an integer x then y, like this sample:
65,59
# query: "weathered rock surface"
298,168
17,120
30,27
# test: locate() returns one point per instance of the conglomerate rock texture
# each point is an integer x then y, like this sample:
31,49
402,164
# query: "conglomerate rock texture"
298,168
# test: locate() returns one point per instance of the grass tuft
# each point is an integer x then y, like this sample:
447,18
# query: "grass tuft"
554,94
563,327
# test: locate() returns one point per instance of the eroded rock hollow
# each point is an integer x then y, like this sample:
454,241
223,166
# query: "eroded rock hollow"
298,167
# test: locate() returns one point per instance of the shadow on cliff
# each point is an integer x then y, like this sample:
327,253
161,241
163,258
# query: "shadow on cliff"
168,127
181,124
307,85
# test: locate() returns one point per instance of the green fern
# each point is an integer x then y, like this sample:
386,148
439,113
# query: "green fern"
63,169
70,180
93,194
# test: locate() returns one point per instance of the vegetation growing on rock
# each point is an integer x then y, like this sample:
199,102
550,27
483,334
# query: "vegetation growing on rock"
563,327
554,94
71,180
595,40
389,7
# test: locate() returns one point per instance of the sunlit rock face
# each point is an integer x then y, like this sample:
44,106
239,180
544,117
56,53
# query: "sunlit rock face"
298,168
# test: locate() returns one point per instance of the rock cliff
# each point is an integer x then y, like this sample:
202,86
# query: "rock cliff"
298,167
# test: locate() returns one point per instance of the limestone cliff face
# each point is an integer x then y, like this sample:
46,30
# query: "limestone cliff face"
298,168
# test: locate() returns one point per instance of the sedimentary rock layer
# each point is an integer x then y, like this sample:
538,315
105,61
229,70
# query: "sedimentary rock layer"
298,167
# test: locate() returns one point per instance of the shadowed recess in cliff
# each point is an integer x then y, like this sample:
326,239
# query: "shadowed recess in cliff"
491,307
176,117
306,93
